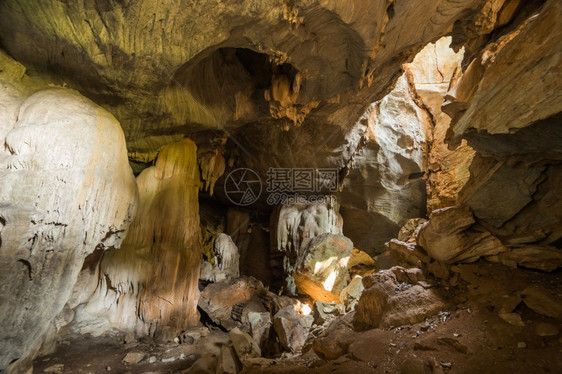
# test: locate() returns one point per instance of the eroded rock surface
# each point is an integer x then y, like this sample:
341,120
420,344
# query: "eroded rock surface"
66,190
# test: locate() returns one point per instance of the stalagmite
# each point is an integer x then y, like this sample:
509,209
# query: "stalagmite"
150,284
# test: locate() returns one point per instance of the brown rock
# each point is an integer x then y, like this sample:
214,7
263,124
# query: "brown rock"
335,341
292,328
546,329
350,295
388,300
218,299
448,237
545,258
542,301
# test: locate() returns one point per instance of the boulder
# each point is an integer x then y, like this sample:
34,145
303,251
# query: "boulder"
292,328
350,295
322,270
244,345
335,340
323,312
450,236
260,325
393,298
543,301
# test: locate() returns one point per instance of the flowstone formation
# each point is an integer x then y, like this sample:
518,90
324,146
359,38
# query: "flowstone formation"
149,285
66,190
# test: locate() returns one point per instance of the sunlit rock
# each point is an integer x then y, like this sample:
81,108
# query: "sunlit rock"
384,186
322,270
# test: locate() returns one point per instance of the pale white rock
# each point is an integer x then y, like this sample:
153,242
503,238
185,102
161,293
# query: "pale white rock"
227,260
298,224
350,295
67,189
227,256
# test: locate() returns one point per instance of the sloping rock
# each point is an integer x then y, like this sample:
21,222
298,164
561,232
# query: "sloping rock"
244,345
545,258
543,301
292,328
450,237
393,298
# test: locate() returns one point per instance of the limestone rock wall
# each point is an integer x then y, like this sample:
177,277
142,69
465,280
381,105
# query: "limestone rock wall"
384,185
506,107
65,189
149,285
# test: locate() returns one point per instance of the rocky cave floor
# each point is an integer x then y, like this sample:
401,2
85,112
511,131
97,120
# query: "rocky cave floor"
467,337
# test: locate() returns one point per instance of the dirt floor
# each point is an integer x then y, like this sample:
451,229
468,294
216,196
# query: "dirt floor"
468,337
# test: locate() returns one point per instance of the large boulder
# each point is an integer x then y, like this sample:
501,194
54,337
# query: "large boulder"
322,271
292,328
394,297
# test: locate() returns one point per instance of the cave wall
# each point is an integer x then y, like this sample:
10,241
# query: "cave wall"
316,84
66,189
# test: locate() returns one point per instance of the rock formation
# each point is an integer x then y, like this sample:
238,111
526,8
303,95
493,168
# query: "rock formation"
149,285
440,117
66,190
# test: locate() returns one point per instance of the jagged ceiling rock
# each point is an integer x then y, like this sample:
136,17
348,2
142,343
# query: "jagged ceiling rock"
505,75
66,188
187,66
